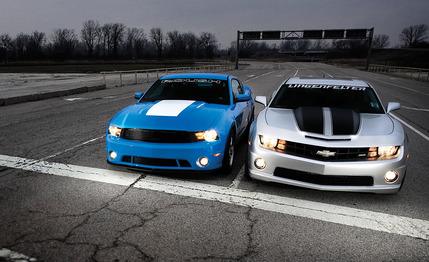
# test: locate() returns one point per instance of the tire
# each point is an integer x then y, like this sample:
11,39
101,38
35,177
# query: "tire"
229,153
246,168
252,117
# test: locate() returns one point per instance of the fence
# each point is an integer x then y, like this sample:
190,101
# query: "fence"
421,74
121,78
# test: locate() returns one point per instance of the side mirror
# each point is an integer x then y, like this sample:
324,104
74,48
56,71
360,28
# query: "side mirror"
391,106
243,97
138,95
261,100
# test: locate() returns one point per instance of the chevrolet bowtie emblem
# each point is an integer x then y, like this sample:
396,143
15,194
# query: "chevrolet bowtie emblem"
325,153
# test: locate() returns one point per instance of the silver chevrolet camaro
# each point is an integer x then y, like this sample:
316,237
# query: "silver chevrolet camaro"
328,134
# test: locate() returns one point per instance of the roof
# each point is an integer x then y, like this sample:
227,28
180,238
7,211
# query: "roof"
196,75
327,81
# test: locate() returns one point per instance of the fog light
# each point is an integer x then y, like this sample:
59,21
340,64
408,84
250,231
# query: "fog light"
113,154
391,176
203,161
260,163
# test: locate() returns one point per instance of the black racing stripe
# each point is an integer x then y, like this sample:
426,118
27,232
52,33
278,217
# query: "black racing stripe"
310,119
344,121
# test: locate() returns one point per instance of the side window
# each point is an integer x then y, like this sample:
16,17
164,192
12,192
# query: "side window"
236,87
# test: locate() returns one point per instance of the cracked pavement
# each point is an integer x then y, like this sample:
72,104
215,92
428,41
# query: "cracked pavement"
55,218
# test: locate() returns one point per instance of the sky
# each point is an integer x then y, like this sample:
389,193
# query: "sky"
221,17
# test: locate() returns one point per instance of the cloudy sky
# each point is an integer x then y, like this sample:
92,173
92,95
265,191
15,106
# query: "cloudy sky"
222,17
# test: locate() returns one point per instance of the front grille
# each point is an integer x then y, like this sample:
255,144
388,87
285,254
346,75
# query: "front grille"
149,161
158,136
325,180
327,153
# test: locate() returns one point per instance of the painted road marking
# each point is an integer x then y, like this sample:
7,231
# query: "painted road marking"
416,109
406,226
329,75
9,255
236,182
399,86
296,73
72,148
258,76
410,127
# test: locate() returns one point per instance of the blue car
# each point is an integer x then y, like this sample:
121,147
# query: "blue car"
183,122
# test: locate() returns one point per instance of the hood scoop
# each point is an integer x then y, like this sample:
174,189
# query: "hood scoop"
327,121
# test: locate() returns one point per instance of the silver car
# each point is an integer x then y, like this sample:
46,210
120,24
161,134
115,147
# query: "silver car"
328,134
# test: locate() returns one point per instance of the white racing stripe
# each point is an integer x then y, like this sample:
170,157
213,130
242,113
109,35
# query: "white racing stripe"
169,107
416,228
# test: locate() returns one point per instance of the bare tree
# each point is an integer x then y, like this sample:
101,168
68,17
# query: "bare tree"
190,40
89,35
208,44
380,41
35,44
106,39
177,45
135,41
64,42
117,36
21,45
6,47
157,38
413,35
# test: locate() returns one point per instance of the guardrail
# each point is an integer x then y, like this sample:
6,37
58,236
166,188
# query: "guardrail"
141,76
421,74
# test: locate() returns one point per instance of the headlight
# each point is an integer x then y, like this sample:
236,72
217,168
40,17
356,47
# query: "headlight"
272,143
209,135
115,131
383,152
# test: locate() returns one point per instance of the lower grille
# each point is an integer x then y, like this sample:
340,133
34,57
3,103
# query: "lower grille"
159,136
325,180
149,161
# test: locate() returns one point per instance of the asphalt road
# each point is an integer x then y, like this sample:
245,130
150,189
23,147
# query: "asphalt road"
52,216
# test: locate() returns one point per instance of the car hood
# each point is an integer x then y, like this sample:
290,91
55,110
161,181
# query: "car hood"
370,129
170,115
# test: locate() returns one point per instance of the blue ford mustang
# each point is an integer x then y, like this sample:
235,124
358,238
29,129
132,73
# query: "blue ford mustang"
183,122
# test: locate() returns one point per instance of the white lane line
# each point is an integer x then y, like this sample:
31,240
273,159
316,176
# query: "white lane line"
9,255
73,171
296,73
329,75
411,227
258,76
416,109
410,127
236,182
399,86
71,148
75,99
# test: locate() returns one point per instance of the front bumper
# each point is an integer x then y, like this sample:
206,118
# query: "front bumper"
165,156
374,169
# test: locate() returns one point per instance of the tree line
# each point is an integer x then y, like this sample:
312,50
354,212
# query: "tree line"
107,41
117,41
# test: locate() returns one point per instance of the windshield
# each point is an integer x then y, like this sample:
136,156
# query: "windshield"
359,99
207,90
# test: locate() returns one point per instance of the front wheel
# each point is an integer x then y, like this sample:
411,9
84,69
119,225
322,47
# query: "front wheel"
229,154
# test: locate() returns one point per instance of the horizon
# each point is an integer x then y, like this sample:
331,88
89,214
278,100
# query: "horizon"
193,16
